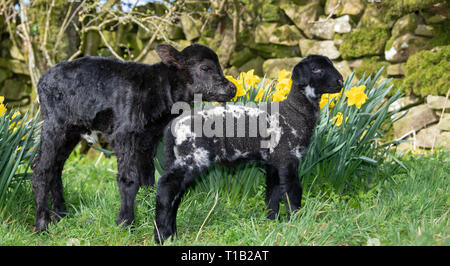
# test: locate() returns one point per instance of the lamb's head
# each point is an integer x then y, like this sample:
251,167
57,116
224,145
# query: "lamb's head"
316,75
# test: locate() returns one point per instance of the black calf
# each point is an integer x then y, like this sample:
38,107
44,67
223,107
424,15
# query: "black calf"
129,103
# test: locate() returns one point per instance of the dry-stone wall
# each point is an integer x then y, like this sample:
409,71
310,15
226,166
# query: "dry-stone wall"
410,38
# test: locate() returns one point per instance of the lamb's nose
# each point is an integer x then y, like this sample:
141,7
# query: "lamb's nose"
340,82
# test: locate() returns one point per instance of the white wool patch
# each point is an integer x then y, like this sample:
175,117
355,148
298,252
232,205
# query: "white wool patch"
310,92
298,152
215,111
274,130
236,110
239,110
175,152
201,157
182,130
293,130
92,137
239,154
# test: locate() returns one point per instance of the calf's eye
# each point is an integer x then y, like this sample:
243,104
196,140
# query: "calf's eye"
205,68
316,70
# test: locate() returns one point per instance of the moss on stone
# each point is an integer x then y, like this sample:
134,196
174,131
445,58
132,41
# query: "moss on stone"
398,84
269,50
407,23
366,41
441,34
238,58
370,66
270,13
428,72
395,9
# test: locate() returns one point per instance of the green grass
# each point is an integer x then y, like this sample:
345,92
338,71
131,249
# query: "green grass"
394,205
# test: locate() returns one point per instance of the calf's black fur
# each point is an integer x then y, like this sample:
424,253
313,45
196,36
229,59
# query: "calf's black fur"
129,103
188,155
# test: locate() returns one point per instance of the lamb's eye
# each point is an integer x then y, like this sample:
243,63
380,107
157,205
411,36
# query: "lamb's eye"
316,70
205,68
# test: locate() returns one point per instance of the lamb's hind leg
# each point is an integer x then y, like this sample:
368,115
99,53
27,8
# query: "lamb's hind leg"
56,145
170,190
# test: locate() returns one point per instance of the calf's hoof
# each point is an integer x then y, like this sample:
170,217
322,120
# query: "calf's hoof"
59,213
271,215
147,181
41,225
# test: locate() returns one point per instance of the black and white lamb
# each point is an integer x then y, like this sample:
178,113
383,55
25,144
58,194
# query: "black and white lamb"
279,147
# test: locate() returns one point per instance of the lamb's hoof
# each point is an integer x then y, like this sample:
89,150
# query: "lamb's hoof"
162,234
272,215
124,222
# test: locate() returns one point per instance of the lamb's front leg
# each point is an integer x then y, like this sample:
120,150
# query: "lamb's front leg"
290,186
273,192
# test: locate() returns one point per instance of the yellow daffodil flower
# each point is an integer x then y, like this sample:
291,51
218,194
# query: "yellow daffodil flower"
356,96
278,96
326,97
324,100
240,91
2,109
284,86
14,124
260,94
16,113
250,79
283,74
338,119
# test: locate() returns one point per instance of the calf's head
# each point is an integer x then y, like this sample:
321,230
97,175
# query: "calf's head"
198,69
316,75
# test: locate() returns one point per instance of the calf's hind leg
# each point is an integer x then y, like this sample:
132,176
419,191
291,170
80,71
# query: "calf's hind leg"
56,145
132,172
146,166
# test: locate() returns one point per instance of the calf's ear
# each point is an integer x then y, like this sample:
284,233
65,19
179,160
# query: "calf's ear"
301,74
170,56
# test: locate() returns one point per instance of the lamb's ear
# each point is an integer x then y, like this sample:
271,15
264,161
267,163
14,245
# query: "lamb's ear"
301,74
170,56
